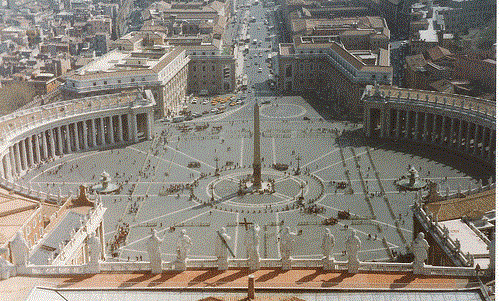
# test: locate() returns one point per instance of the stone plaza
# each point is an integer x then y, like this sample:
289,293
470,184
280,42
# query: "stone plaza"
187,177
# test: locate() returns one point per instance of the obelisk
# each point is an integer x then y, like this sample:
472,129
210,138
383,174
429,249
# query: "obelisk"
257,162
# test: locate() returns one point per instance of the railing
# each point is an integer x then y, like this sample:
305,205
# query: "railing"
144,266
450,247
464,104
12,124
77,240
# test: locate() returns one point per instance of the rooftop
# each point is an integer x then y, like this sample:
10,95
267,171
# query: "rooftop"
18,288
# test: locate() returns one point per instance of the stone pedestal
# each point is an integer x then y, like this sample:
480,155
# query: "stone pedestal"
254,263
353,266
286,264
6,269
179,265
328,264
418,268
222,264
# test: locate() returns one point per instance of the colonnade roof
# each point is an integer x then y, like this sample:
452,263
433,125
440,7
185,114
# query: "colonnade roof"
24,118
466,102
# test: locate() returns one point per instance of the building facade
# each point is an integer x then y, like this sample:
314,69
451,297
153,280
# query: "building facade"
142,60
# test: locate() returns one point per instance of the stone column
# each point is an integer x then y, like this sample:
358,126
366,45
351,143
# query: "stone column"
2,168
102,131
37,149
120,129
8,167
434,129
30,151
111,130
407,124
44,145
484,131
390,123
367,121
460,135
451,134
24,157
134,128
52,143
491,145
468,137
85,135
94,133
425,127
475,140
18,158
12,161
59,140
397,130
416,125
442,134
68,139
150,121
77,137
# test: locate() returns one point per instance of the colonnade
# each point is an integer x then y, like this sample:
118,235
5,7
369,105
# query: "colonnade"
465,131
56,139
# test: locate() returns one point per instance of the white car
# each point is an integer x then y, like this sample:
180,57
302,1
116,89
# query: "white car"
260,70
205,102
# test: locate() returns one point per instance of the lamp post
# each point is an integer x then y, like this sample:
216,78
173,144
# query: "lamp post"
216,166
212,188
298,158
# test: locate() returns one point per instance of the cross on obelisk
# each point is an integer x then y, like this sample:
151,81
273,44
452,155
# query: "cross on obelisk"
257,163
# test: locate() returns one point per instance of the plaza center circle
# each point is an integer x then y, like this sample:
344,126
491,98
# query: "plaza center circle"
287,188
282,111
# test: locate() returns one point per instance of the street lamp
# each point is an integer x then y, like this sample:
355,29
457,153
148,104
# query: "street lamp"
212,188
216,166
298,158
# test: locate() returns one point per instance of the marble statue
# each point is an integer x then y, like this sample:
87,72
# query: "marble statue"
327,247
286,246
154,251
184,244
353,245
252,241
19,251
222,249
420,249
94,249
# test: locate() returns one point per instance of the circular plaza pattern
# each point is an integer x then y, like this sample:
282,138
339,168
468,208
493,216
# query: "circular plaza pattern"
167,183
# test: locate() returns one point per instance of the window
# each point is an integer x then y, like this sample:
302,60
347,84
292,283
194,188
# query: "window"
213,68
95,84
204,68
119,81
132,80
194,68
204,53
105,82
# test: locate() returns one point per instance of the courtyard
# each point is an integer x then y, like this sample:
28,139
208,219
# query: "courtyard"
188,175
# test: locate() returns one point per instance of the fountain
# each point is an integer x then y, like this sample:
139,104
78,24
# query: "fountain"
411,181
105,186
